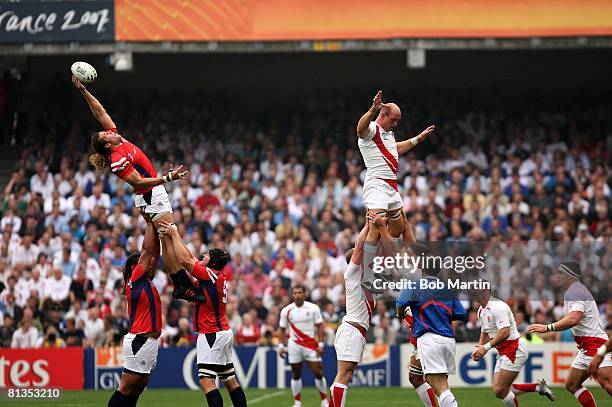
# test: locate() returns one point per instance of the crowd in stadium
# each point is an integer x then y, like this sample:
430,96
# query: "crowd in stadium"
281,190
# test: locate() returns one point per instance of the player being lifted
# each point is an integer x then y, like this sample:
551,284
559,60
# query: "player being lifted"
433,311
381,153
582,316
499,331
304,319
215,337
127,161
144,309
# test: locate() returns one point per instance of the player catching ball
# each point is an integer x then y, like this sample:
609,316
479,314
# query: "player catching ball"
381,153
111,150
304,319
499,331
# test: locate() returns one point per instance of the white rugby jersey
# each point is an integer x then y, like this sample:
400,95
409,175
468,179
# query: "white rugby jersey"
359,304
379,152
495,316
302,322
590,332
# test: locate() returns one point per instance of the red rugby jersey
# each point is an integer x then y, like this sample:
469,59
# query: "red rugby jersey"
209,316
126,158
143,303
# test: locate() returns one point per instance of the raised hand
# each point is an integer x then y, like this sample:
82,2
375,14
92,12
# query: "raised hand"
176,174
377,101
77,84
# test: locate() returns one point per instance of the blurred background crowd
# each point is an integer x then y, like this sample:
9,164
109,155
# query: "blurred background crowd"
280,187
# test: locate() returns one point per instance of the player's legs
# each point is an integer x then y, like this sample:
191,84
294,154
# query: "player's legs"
417,379
236,393
296,383
439,383
213,396
604,377
130,388
339,388
573,384
316,367
502,381
396,221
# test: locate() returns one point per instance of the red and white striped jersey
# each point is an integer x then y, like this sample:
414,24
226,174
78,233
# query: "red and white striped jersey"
379,152
495,316
302,322
359,303
589,333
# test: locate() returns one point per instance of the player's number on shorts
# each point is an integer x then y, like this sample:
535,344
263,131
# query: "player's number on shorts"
225,292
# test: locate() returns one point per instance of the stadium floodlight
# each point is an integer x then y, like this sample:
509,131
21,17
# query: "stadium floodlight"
122,61
415,58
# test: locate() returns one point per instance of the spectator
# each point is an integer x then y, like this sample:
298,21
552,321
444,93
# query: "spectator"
26,336
94,328
248,333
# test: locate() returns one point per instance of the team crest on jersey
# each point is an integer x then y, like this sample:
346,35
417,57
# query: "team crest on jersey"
130,284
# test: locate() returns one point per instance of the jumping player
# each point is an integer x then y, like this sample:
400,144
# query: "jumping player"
604,374
302,317
433,311
215,337
130,163
582,316
380,153
144,309
499,331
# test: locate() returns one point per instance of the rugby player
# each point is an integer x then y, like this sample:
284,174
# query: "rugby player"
215,337
304,319
582,316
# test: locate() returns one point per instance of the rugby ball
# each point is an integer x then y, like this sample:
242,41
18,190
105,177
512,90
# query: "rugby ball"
84,72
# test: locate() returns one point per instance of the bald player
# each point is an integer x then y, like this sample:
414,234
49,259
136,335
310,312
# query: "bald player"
380,153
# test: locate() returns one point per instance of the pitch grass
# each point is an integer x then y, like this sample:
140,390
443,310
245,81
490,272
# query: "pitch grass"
357,397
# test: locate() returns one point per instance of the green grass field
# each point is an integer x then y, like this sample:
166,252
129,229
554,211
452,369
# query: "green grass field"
387,397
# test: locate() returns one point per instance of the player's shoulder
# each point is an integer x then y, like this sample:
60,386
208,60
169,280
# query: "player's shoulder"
311,305
287,307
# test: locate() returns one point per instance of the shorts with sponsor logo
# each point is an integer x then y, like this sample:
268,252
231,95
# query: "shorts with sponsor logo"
215,348
154,201
378,194
437,353
349,343
139,353
298,353
582,361
504,362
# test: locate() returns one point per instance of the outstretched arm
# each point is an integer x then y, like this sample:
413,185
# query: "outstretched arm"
134,179
96,107
363,126
407,145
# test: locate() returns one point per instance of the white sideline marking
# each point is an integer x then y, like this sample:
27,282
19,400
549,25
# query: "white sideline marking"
267,396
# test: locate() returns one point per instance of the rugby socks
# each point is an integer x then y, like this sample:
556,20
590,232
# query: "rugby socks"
118,400
447,399
510,400
427,395
238,397
338,394
132,400
296,389
214,399
585,398
524,388
321,385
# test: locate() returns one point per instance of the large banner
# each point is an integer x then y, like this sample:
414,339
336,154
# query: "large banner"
382,365
57,21
59,367
294,20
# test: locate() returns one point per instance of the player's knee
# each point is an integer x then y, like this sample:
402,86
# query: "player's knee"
571,387
500,391
416,380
